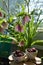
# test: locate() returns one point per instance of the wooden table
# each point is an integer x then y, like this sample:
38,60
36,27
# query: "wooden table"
29,62
23,63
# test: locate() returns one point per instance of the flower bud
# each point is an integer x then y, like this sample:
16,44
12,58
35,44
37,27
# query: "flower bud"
19,28
26,19
1,30
0,14
5,25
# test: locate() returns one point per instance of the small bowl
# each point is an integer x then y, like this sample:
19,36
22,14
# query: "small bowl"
20,59
31,55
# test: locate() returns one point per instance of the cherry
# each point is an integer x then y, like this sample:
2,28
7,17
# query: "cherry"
18,53
34,49
31,50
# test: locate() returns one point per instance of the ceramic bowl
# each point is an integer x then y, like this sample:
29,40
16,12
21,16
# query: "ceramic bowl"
20,59
31,55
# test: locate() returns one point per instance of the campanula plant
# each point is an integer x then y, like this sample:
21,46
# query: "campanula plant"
23,28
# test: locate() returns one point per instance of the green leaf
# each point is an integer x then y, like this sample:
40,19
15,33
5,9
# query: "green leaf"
33,12
10,20
23,8
1,21
31,26
22,13
37,42
2,11
36,26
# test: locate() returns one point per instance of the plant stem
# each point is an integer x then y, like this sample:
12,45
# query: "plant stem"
8,10
28,5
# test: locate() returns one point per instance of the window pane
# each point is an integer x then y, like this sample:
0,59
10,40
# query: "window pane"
34,4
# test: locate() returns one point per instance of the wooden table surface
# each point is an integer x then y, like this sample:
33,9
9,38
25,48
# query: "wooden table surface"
23,63
29,62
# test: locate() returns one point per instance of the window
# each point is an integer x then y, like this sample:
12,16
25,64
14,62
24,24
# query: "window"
13,8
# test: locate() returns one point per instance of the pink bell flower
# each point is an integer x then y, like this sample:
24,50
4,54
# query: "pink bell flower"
5,25
26,19
19,28
21,43
1,30
0,14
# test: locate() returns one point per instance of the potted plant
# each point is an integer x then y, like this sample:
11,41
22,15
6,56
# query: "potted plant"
23,29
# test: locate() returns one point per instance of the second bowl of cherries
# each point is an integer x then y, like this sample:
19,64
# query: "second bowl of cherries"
31,53
19,56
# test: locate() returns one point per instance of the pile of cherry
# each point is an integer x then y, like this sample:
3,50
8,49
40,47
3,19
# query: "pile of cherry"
18,53
31,50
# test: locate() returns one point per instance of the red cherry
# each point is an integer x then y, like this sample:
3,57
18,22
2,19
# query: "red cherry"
21,54
31,50
34,50
18,53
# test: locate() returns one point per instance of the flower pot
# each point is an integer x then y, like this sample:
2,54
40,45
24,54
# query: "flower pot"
5,49
31,54
19,58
